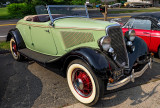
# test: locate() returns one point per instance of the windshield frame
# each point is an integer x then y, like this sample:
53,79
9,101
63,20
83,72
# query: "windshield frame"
80,6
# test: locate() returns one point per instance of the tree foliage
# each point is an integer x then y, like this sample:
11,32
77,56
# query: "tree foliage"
52,2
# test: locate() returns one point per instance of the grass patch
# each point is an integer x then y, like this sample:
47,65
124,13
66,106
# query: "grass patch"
4,15
4,45
132,11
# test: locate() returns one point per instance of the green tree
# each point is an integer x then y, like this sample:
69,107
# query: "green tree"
78,2
94,2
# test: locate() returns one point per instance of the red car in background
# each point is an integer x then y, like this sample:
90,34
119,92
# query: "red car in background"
147,27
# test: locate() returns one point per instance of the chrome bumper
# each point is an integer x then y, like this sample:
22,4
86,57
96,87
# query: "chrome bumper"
132,77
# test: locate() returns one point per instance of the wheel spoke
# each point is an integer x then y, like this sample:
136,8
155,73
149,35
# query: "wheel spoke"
82,81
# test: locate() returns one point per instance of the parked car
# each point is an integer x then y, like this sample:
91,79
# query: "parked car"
137,5
92,54
115,5
147,27
89,5
98,5
126,4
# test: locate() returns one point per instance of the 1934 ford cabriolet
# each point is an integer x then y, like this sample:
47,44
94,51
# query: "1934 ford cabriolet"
94,55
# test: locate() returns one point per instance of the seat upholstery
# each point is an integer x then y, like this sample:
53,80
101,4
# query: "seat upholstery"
41,18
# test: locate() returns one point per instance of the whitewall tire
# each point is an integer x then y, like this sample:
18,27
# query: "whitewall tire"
14,50
83,83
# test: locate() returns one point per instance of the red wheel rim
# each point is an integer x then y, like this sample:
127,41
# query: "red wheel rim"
82,83
14,48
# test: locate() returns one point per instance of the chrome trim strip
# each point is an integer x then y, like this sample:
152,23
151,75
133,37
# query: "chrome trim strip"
113,25
155,36
68,17
130,78
50,15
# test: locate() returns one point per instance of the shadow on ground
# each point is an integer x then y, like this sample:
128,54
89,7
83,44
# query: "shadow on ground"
31,85
113,98
19,88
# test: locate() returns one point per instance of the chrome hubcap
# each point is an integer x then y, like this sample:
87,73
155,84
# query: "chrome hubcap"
79,84
82,83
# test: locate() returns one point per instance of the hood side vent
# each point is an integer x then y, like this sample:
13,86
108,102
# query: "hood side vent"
71,39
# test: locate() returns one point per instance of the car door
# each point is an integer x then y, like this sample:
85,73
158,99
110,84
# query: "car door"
26,34
142,28
155,37
42,38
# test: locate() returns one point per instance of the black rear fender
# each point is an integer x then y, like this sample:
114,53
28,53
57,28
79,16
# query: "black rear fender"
18,38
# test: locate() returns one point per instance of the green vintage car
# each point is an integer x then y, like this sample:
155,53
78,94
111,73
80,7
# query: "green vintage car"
93,55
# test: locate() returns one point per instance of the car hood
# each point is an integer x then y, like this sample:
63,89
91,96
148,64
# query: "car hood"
81,23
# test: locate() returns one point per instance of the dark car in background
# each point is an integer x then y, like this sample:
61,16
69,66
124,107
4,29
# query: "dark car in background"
147,27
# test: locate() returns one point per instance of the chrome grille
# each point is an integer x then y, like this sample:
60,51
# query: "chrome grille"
117,43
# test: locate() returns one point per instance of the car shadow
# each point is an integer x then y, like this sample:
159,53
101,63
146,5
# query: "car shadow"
19,88
136,96
118,96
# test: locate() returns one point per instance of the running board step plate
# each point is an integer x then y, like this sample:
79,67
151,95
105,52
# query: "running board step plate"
37,56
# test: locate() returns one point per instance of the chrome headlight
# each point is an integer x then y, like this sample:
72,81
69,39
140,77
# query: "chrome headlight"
130,35
105,43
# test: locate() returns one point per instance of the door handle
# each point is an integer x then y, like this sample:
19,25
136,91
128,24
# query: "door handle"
47,31
146,32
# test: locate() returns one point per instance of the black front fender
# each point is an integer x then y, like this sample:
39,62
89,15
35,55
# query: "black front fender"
94,58
18,38
140,50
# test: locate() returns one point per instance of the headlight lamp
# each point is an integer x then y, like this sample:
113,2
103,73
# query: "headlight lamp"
130,35
105,43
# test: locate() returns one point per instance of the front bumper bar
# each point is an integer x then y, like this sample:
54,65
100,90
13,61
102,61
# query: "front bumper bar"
112,86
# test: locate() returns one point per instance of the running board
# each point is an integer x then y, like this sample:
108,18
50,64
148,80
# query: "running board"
37,56
112,86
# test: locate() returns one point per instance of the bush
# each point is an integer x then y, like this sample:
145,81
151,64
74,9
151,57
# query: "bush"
19,10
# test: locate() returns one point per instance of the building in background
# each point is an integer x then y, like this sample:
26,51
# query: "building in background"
155,3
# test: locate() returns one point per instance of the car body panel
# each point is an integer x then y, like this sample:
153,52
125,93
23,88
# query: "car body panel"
43,41
81,24
155,41
80,27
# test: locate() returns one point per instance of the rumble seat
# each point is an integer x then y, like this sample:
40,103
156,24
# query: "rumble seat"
41,18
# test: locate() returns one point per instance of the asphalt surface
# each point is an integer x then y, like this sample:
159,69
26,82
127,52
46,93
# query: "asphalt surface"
143,96
4,28
27,84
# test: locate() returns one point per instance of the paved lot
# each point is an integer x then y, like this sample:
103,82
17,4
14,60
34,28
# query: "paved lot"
27,84
144,96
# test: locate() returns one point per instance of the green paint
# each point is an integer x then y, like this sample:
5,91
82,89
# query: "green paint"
52,43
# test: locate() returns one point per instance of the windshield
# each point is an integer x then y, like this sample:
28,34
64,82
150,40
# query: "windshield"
63,11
